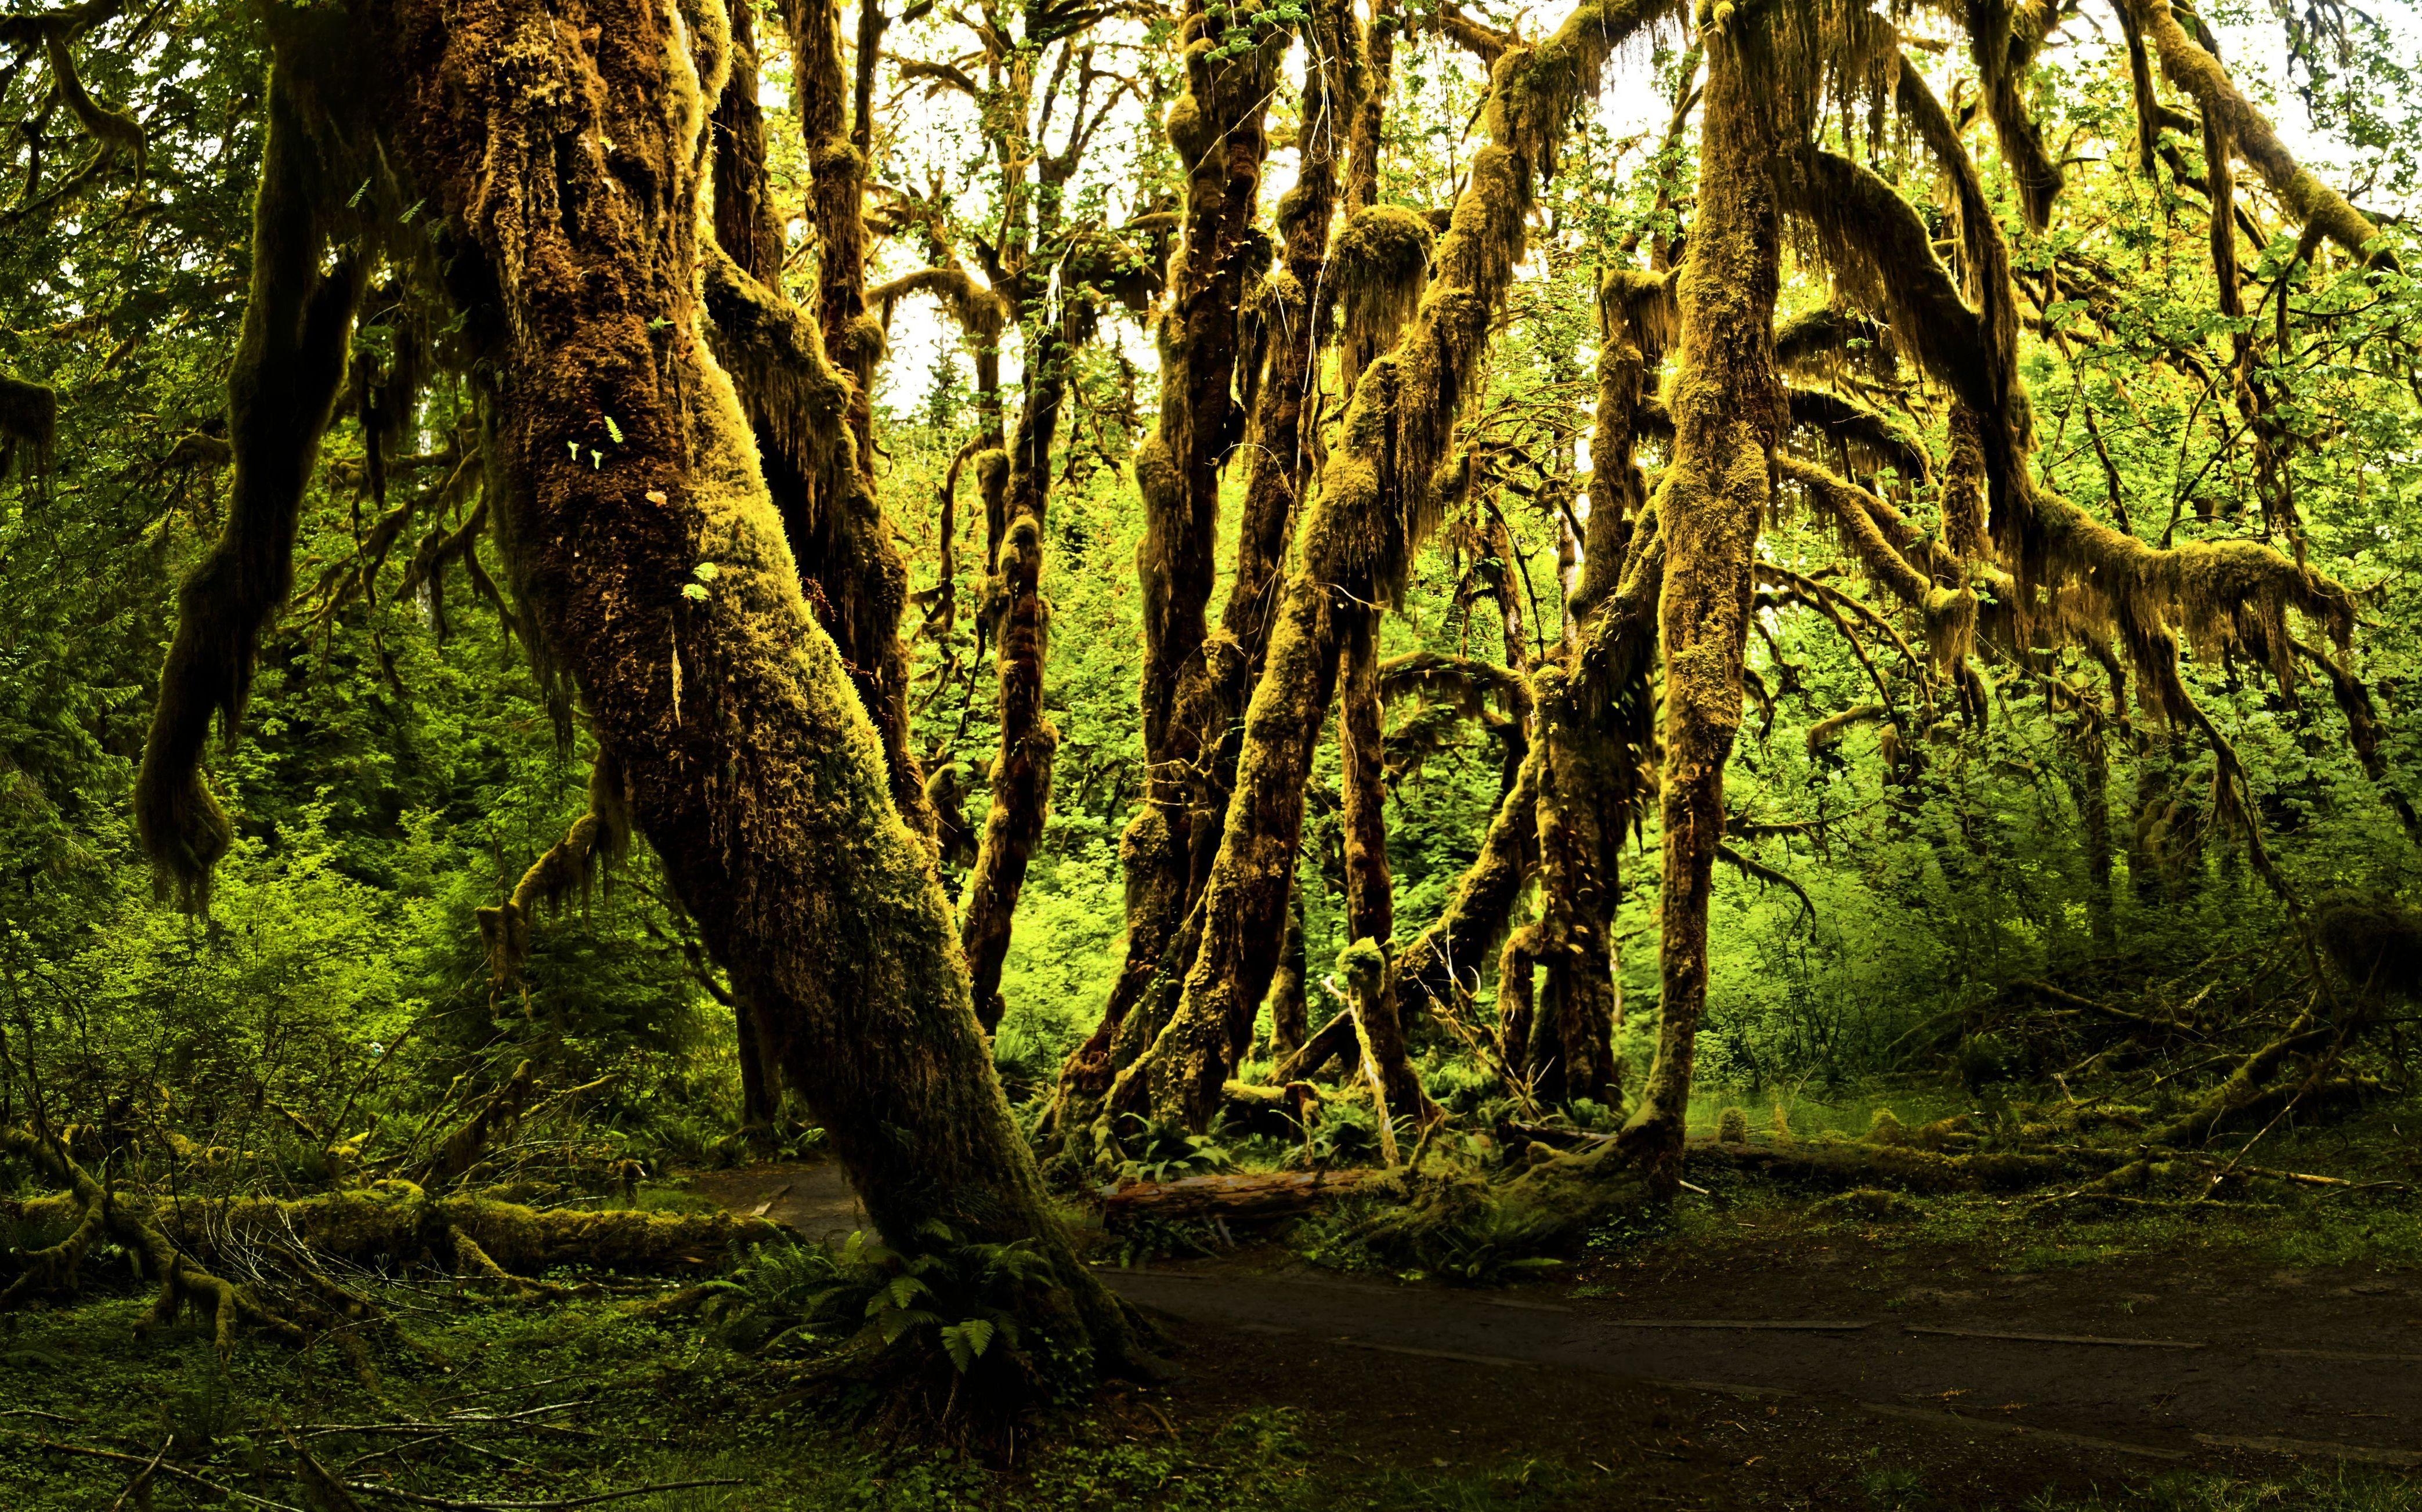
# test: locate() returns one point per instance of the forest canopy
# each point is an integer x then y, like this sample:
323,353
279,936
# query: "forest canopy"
1414,600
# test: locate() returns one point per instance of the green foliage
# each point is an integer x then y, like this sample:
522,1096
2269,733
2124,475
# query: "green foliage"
1163,1150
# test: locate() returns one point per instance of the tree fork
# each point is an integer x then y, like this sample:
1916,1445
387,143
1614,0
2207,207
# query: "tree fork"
1216,127
1287,321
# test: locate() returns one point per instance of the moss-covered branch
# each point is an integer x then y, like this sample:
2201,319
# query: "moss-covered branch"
287,372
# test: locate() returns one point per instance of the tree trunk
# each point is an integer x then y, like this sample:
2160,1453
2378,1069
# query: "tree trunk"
755,1088
839,527
1280,375
1370,891
1021,774
838,533
1727,412
564,154
1289,1018
1571,1041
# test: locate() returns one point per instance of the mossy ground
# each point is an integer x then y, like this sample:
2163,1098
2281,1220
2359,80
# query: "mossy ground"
644,1402
630,1400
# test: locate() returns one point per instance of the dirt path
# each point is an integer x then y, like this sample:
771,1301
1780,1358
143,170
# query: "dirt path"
2194,1366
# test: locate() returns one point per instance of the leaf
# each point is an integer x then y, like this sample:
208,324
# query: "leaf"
695,592
596,459
573,446
613,430
978,1333
656,495
706,571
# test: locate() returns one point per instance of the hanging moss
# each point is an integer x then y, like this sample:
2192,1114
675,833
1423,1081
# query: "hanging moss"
1379,267
593,847
29,425
2003,38
2305,196
280,390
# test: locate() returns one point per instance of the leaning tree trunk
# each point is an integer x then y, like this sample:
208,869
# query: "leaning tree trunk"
564,153
1727,418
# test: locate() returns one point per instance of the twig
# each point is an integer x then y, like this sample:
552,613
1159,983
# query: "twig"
202,1481
142,1481
451,1505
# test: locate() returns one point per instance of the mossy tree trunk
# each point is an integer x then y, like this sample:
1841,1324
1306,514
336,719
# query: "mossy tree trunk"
1584,788
1284,328
1021,772
1216,127
1378,503
564,153
1370,888
1727,412
839,531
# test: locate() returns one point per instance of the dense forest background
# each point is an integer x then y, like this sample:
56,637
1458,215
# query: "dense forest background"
401,763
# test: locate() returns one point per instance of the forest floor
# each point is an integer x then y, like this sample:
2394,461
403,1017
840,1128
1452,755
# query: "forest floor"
2271,1363
1754,1354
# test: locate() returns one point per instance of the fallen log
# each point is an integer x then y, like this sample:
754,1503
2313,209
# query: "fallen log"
1846,1165
383,1224
1250,1197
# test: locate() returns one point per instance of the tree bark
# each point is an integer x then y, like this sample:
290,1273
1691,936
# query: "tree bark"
563,149
1728,417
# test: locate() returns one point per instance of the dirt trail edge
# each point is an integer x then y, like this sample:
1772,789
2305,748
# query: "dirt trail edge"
2312,1364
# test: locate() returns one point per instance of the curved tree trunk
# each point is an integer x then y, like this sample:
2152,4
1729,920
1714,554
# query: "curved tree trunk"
1727,417
753,769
